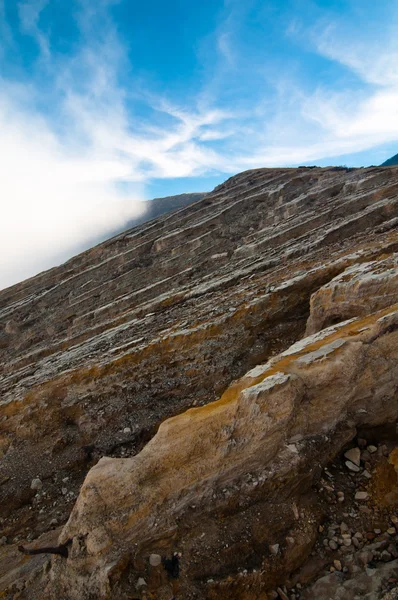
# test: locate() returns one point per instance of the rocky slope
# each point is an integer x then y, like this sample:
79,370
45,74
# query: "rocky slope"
202,311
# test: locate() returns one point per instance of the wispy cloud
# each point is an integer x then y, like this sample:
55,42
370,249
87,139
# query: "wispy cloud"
75,169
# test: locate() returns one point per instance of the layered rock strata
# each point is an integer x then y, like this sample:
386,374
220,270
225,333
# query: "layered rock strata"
218,479
98,352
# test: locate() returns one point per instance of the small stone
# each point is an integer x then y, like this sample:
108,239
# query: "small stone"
385,556
377,531
358,535
372,449
290,541
321,528
140,583
333,545
394,519
384,450
274,549
354,455
365,557
356,542
361,496
365,456
337,565
155,560
391,531
3,540
347,542
36,484
332,569
365,509
343,527
282,594
127,430
367,474
64,491
352,467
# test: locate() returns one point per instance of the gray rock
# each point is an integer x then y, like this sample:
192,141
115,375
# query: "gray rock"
372,449
274,549
352,467
140,583
155,560
333,545
36,484
354,455
3,540
361,496
385,556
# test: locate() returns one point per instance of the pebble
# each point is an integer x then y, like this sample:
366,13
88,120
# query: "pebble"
385,556
365,456
361,496
347,542
274,549
352,467
391,531
282,594
333,545
127,430
354,456
290,541
367,474
140,583
372,449
365,509
36,484
3,540
155,560
64,491
337,565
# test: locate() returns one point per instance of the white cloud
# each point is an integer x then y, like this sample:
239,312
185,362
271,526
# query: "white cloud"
76,172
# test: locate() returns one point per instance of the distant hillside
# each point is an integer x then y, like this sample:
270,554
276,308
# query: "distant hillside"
391,161
160,206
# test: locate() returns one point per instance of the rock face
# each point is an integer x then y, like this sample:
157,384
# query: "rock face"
195,324
212,471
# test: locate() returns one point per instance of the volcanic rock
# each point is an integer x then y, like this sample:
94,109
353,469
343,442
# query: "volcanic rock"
191,329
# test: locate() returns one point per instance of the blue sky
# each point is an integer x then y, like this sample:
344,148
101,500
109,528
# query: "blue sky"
105,102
